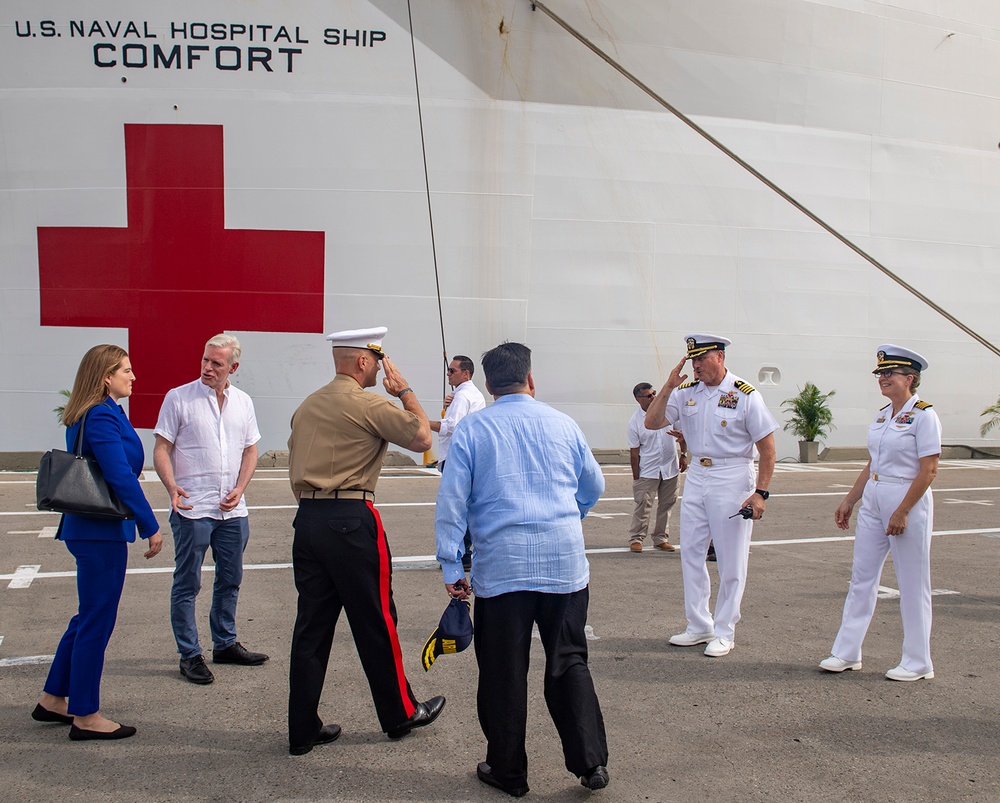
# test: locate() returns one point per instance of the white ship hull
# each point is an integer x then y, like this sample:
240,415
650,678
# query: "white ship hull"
569,211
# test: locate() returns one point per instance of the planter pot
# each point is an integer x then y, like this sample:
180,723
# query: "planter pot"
808,451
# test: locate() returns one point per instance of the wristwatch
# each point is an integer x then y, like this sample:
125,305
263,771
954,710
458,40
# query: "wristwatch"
410,390
764,494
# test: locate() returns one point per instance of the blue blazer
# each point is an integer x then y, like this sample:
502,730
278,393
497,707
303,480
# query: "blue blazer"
110,437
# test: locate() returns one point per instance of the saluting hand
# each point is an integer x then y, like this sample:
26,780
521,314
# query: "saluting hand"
393,381
676,378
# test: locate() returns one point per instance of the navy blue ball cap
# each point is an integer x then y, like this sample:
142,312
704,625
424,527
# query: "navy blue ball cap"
453,633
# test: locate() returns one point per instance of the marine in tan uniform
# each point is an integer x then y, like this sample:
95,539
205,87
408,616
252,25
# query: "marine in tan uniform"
340,555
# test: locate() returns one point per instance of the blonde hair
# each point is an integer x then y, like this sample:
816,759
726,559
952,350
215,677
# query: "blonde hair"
224,341
89,387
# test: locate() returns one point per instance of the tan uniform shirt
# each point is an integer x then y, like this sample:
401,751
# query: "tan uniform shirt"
339,437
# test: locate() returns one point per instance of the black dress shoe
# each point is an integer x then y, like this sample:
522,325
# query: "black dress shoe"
236,653
196,670
425,714
597,778
44,715
327,734
81,735
485,775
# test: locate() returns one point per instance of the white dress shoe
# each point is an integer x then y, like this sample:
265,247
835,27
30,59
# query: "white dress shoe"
718,647
835,664
898,673
686,639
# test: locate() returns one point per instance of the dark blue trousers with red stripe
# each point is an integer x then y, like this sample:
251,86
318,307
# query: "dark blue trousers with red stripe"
341,561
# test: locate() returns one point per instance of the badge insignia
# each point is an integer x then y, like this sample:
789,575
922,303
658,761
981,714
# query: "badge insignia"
690,403
880,420
904,418
729,400
690,342
880,356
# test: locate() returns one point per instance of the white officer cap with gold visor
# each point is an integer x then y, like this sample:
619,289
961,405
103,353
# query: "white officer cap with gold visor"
891,356
700,343
370,339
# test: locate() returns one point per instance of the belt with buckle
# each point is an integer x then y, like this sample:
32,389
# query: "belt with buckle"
347,493
708,462
893,480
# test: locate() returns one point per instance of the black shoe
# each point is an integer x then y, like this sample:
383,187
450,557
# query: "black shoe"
710,557
81,735
425,714
485,775
236,653
327,734
597,778
44,715
196,670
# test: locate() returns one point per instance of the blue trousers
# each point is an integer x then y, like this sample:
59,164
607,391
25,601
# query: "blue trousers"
192,538
79,661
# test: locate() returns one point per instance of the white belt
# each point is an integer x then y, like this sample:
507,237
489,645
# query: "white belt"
893,480
708,462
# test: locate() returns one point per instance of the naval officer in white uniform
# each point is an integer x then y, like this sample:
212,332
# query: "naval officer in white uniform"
897,514
723,419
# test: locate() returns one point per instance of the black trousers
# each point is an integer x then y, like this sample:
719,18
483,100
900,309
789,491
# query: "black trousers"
503,627
341,560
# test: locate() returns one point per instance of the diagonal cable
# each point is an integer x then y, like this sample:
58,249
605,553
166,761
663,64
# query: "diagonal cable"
760,176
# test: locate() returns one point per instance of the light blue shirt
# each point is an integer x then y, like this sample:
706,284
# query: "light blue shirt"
520,476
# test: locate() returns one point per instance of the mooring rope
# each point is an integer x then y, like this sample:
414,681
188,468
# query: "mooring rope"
760,176
430,211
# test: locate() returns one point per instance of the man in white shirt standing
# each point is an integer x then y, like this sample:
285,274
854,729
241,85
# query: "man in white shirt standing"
465,399
656,467
205,455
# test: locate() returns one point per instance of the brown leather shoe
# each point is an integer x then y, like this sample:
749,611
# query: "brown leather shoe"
636,546
666,546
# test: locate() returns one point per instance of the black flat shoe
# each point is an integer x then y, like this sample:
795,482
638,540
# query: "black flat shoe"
81,735
425,714
597,778
327,734
44,715
485,774
238,654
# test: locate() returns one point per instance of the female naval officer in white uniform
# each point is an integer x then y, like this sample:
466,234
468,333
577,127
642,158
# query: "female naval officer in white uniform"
897,513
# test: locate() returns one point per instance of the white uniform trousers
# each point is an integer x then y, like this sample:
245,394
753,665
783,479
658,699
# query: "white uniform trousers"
711,496
911,557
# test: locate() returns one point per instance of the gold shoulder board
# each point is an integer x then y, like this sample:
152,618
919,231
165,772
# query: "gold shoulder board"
922,405
688,384
883,408
744,387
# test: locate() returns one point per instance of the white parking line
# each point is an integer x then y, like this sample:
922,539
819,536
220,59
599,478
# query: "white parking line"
27,660
23,576
405,560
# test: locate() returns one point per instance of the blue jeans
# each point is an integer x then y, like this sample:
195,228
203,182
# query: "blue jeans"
192,538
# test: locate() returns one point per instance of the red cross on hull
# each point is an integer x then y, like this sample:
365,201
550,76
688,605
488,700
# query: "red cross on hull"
176,276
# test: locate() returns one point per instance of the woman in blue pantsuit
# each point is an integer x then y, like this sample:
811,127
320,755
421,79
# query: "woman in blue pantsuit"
72,691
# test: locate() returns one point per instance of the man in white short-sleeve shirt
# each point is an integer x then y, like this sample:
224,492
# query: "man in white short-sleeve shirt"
205,455
656,467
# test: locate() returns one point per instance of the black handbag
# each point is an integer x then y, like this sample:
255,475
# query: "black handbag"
70,482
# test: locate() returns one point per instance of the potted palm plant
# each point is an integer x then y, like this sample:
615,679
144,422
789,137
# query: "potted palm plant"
809,418
993,411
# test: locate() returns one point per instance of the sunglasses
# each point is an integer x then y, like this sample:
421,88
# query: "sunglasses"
650,395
